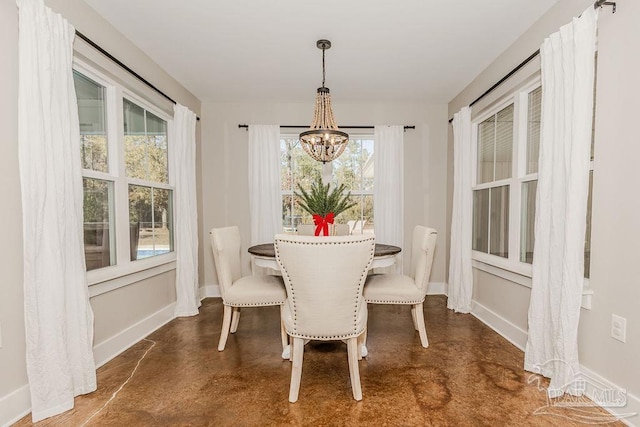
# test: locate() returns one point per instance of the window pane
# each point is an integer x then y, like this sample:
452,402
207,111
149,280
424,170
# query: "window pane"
533,129
499,225
93,118
99,233
151,221
527,224
367,165
504,143
486,141
290,215
481,220
145,138
347,168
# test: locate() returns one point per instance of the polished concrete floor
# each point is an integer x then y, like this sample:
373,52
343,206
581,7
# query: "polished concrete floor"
469,376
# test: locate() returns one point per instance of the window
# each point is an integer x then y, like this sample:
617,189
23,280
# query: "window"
146,160
504,193
124,153
98,184
491,195
354,168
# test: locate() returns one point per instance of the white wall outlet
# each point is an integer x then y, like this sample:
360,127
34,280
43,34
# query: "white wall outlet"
618,328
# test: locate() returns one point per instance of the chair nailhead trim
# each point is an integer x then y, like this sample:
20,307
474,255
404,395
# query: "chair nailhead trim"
380,301
261,304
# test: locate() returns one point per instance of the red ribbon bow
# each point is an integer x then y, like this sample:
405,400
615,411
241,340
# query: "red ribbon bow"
322,223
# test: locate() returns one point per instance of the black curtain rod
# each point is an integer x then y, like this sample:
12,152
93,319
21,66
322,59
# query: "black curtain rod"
341,127
596,5
123,66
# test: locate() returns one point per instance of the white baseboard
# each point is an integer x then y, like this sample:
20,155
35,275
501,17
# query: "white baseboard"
512,333
210,291
518,337
115,345
437,288
628,414
15,405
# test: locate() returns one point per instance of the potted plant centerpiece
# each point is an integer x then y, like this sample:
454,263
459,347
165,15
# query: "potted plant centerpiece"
324,204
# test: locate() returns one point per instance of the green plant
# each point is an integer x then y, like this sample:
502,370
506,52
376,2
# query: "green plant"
321,200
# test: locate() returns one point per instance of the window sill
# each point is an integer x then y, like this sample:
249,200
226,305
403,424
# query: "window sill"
107,279
522,276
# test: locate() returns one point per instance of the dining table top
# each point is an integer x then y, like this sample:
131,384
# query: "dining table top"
268,250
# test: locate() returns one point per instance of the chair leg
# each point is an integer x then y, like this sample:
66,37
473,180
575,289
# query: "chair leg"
354,371
296,369
235,319
362,345
413,317
421,327
283,336
226,323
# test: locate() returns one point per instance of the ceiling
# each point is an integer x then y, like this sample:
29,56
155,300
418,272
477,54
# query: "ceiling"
265,50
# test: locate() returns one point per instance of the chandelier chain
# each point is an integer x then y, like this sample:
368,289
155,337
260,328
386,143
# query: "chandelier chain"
323,73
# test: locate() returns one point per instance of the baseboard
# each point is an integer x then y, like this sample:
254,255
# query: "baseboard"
15,405
512,333
628,414
115,345
437,288
597,385
210,291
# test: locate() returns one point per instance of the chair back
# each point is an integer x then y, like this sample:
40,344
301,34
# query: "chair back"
324,279
306,229
225,243
310,229
423,247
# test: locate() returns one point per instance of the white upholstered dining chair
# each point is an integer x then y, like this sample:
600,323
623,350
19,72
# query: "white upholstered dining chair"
310,229
238,291
324,280
407,289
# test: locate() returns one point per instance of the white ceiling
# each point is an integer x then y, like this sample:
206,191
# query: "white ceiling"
383,51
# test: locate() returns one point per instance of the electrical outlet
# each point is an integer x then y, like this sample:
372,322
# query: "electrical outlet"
618,328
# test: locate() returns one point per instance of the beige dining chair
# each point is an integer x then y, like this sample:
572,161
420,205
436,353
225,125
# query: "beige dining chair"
407,289
238,291
324,280
310,229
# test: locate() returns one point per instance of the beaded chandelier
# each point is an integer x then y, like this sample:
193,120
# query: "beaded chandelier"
323,141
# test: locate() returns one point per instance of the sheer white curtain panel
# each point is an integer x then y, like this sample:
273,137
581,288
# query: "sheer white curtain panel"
265,199
568,61
460,272
58,317
183,173
388,186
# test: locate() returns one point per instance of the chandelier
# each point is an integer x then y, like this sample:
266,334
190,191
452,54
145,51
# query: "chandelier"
323,141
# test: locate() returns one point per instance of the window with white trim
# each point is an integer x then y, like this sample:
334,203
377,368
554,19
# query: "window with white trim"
354,169
127,197
506,146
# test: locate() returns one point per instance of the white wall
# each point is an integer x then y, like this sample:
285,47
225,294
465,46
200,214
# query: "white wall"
225,176
615,224
12,366
116,312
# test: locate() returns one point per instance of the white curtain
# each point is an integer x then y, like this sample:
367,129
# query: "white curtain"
265,199
58,317
460,274
183,173
561,203
388,186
